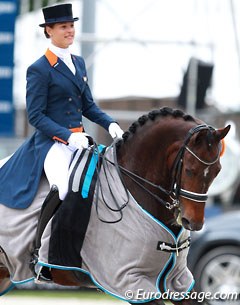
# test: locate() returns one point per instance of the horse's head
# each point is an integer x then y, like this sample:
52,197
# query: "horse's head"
197,163
169,159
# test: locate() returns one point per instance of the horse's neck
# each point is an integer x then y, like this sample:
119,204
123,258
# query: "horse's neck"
152,167
152,206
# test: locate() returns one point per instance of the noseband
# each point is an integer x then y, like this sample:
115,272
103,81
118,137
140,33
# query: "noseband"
176,191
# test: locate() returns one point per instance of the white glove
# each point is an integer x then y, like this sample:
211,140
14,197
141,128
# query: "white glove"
78,140
115,131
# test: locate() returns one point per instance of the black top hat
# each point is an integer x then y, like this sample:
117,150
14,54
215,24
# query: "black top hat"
58,13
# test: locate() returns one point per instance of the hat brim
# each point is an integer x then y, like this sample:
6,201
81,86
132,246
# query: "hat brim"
42,25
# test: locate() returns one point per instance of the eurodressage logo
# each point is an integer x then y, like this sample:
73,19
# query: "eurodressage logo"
140,294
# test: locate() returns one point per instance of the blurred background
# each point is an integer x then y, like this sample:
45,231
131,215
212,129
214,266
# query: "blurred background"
142,55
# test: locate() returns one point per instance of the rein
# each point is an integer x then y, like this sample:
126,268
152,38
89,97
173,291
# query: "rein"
99,188
176,191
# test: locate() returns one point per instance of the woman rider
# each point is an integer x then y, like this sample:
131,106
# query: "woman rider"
57,96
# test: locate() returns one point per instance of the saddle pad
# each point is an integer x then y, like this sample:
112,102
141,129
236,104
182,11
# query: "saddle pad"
63,236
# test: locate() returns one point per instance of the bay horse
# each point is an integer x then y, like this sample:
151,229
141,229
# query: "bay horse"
167,160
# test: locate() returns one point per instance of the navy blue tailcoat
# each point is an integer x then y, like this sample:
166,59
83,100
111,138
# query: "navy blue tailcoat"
56,101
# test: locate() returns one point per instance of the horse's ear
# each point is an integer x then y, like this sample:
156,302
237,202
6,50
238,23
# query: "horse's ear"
218,134
221,133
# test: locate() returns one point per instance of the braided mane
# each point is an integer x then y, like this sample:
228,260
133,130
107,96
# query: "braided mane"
152,115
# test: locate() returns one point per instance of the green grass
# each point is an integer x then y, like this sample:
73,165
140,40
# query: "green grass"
67,294
62,294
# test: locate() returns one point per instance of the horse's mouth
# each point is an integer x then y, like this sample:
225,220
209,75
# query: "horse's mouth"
191,225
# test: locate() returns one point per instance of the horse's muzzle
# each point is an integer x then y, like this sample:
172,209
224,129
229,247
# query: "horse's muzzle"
191,225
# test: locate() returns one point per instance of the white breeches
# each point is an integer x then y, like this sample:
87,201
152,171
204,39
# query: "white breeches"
56,167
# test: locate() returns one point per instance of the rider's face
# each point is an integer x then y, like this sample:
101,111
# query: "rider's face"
61,34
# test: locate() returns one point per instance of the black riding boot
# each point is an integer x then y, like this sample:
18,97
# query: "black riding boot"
49,207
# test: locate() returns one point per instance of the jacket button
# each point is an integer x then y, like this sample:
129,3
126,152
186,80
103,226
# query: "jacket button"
70,99
79,110
68,112
79,96
69,125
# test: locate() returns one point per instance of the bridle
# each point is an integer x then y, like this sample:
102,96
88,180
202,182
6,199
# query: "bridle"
175,191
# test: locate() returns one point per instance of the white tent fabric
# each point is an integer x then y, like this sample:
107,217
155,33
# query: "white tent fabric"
142,47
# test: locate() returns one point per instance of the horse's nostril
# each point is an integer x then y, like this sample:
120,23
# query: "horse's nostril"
186,223
191,225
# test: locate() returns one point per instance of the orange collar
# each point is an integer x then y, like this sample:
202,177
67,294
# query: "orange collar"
51,57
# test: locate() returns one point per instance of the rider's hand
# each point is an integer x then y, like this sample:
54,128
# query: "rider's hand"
78,140
115,131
